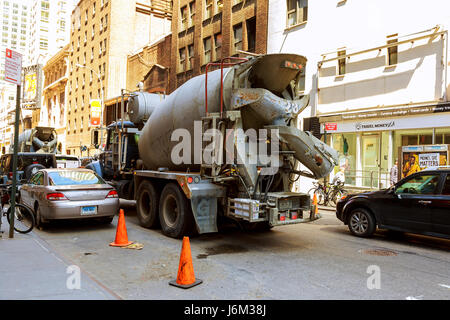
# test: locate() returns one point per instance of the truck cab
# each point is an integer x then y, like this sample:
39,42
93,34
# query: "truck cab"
118,159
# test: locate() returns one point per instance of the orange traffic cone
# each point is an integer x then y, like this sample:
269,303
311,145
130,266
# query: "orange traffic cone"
121,232
316,206
185,278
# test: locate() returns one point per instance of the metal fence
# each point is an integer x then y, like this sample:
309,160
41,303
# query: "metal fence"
367,179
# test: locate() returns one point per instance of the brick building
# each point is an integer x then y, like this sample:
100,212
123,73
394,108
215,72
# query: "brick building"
103,34
205,31
53,112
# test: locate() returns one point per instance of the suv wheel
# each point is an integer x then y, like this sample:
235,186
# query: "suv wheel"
361,223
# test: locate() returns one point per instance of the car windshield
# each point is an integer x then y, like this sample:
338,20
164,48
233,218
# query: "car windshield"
67,177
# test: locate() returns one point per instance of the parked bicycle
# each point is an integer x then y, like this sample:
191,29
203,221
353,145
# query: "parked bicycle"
23,216
328,193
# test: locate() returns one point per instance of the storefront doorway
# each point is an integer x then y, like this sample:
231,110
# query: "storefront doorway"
370,152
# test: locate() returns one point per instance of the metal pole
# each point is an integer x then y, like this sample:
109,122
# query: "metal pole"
14,179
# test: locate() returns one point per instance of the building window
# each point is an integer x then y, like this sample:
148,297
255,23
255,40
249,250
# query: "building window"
208,8
207,50
92,54
93,9
191,13
341,62
237,32
392,51
219,6
182,59
297,12
191,57
184,14
93,31
218,46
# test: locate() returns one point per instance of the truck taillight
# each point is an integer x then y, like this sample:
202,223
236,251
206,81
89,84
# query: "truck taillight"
56,196
112,194
282,217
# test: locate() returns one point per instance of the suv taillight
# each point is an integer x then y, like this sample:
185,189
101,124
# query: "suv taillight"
112,194
56,196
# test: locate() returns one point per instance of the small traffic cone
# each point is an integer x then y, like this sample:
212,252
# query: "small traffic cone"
185,278
121,232
316,207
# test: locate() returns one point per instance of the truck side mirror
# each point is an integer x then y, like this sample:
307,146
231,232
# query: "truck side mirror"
95,138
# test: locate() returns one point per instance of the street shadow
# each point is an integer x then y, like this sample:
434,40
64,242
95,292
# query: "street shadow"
396,237
76,225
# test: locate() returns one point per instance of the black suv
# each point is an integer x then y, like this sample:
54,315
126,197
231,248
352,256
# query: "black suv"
419,203
28,163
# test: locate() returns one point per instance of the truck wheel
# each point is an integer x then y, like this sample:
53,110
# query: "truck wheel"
175,213
147,203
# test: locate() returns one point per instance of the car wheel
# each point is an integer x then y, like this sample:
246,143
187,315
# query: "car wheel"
40,224
175,213
147,205
361,223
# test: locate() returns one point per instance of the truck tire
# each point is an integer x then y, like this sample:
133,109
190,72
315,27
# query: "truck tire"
175,212
147,205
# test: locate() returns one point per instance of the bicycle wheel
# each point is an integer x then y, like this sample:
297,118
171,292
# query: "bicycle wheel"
337,195
23,218
319,195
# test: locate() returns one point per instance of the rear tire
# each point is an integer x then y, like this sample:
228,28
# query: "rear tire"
32,169
39,221
361,223
175,212
147,205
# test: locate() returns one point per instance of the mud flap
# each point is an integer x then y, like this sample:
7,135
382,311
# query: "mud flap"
204,197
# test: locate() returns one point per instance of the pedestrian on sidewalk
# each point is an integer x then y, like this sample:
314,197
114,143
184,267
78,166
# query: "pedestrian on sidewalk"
394,173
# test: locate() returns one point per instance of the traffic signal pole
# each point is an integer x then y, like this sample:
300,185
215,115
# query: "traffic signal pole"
14,179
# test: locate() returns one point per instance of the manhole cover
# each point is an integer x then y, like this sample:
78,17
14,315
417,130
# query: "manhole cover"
379,252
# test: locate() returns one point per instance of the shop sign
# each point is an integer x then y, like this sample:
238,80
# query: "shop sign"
428,160
32,82
96,111
398,112
374,126
330,126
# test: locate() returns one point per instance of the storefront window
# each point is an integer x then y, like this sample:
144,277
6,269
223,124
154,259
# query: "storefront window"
442,136
345,144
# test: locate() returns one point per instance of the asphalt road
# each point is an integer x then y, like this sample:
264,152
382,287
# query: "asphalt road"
319,260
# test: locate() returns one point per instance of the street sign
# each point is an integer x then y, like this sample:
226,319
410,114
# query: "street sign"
13,67
330,126
96,111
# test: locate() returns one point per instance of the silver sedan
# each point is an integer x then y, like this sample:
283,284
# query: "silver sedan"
73,193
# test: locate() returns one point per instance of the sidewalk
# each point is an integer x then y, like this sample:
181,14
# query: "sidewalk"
30,270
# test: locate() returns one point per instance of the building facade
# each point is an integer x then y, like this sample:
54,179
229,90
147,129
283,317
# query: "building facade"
53,112
15,23
49,28
376,74
103,34
206,31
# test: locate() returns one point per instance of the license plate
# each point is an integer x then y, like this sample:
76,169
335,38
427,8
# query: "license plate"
88,211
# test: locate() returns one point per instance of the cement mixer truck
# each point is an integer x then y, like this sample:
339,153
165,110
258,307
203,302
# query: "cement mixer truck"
224,144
